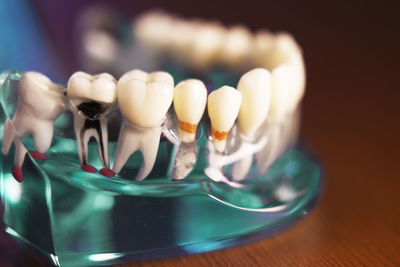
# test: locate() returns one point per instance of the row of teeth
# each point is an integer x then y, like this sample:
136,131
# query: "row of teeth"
144,99
201,43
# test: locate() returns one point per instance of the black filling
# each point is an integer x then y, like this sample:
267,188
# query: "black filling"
92,110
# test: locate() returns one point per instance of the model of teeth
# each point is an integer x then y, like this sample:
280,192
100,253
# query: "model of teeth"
190,99
255,87
91,99
40,102
144,99
223,109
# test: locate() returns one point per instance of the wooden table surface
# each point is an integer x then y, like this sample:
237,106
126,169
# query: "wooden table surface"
351,121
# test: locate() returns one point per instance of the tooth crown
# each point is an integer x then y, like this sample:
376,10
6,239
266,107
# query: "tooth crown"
255,87
38,92
223,108
145,98
190,97
101,87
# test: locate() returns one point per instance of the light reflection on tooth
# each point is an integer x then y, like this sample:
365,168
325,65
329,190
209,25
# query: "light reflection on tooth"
40,102
144,99
190,97
223,109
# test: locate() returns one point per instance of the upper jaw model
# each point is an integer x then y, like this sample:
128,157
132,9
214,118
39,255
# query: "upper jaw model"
40,102
91,100
144,99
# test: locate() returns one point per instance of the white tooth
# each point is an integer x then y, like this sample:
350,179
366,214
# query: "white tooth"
190,97
255,87
223,109
236,46
288,78
205,43
101,87
263,44
144,98
40,102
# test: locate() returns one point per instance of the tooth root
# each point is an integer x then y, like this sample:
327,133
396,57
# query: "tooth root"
223,109
255,87
190,99
132,139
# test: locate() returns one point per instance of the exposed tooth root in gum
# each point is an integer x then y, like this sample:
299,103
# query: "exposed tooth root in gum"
257,118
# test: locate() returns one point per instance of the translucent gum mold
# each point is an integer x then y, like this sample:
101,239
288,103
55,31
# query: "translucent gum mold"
191,175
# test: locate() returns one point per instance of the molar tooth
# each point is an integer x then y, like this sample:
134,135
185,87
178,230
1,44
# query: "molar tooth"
144,99
40,102
255,87
190,97
101,87
223,109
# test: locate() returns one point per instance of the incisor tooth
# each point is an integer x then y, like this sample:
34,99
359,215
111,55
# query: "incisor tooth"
255,87
144,98
101,87
236,46
205,44
190,97
223,109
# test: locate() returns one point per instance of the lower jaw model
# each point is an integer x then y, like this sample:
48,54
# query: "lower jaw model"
256,120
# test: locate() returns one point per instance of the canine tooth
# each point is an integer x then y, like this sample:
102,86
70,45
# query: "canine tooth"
101,87
255,87
223,109
40,102
190,97
144,98
236,45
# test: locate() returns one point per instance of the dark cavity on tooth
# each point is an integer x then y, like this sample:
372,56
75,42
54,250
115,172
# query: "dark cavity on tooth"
92,110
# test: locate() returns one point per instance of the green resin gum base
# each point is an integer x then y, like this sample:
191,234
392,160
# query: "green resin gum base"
76,218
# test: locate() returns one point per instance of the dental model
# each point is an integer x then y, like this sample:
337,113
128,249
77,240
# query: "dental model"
190,98
144,99
91,100
40,102
255,87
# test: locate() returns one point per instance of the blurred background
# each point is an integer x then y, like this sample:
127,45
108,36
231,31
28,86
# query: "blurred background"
351,112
